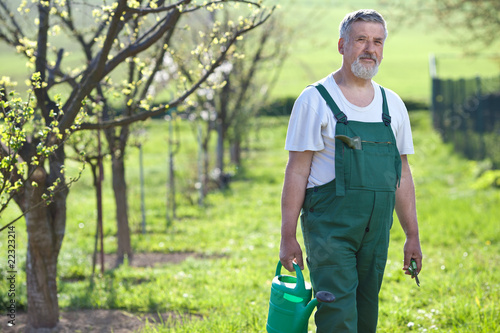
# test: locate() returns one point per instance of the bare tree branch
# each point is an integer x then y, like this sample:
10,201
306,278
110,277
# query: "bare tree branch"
133,49
41,58
16,31
164,108
160,55
94,72
159,9
251,2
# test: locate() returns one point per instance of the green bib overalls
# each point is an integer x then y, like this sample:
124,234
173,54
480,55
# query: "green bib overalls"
346,222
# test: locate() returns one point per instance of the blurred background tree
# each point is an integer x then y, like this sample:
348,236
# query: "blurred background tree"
473,24
111,52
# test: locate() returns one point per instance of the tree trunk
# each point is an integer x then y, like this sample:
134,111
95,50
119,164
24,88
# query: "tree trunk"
41,265
46,227
120,192
117,142
236,151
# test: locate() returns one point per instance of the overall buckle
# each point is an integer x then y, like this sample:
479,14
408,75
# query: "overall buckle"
387,119
342,119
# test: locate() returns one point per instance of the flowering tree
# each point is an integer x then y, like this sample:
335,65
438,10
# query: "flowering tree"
234,92
16,115
120,45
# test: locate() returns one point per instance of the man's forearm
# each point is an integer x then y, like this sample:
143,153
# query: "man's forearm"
406,203
407,215
294,188
292,199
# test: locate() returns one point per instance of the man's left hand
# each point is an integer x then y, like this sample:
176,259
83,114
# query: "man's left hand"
412,251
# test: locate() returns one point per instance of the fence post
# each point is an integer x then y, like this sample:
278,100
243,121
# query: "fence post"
141,175
436,103
448,111
432,66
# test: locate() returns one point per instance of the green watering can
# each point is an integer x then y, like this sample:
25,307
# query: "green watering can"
291,306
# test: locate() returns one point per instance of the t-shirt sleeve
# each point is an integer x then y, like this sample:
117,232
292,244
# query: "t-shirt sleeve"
404,138
304,126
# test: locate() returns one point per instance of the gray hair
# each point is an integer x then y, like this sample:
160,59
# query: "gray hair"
366,15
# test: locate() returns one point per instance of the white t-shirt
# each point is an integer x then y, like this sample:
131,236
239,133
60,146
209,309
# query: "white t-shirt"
312,125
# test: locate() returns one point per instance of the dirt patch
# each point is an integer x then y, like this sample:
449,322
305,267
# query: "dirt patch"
116,321
97,321
151,259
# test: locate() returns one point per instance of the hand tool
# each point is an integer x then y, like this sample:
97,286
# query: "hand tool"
413,271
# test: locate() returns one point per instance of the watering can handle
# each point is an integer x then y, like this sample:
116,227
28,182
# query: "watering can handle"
300,285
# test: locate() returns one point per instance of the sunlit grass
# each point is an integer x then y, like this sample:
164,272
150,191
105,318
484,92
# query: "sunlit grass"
458,233
236,238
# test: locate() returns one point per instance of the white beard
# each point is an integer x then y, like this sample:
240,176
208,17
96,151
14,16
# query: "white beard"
364,72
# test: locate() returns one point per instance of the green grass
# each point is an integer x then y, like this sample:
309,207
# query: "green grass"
225,287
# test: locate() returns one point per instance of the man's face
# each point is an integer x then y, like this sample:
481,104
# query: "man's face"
364,50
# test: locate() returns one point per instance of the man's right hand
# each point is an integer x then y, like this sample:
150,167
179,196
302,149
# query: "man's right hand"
289,252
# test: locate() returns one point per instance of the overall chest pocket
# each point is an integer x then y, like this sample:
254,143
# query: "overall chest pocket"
373,167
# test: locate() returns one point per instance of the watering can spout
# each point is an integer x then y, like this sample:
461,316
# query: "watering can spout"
304,318
321,297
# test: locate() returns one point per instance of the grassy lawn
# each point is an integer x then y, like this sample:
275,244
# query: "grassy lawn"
236,239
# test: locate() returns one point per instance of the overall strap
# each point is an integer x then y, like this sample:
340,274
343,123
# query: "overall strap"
339,146
339,115
386,118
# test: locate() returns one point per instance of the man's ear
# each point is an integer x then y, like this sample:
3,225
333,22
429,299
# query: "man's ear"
340,45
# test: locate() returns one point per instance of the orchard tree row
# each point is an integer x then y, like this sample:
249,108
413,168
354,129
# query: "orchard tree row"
134,60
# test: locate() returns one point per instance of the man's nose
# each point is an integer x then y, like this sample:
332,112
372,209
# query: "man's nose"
370,47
